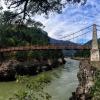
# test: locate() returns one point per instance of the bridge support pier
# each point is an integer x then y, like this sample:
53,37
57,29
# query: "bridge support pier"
95,56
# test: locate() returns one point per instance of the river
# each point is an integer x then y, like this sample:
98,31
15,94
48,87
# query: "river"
63,84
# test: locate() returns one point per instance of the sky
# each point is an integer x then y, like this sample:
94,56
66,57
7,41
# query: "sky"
72,19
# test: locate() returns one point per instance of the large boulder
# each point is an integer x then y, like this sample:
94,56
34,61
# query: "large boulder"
7,70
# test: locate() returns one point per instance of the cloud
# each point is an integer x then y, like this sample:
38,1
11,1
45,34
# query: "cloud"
3,5
73,18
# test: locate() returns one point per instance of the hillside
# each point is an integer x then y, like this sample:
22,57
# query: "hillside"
66,53
89,42
11,36
61,42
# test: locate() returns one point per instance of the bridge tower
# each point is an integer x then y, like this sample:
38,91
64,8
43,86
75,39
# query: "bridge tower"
95,56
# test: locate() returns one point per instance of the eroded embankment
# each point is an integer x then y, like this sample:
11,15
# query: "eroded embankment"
9,69
86,81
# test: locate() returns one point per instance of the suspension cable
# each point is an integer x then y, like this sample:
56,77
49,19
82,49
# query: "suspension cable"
79,35
76,32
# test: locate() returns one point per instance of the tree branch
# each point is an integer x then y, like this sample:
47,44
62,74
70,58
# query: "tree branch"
25,8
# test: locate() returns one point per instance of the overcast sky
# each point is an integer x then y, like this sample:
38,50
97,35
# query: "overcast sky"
73,18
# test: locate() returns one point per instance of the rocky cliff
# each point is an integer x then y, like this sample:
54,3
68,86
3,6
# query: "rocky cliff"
86,81
9,69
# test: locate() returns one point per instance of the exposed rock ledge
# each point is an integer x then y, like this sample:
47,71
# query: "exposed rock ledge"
86,81
9,69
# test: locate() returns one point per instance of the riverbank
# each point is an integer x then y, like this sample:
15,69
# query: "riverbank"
9,69
85,76
62,82
95,91
24,86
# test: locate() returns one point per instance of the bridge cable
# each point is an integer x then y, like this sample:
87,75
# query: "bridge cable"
79,35
76,32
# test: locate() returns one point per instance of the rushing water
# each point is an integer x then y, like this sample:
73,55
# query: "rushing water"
62,87
63,84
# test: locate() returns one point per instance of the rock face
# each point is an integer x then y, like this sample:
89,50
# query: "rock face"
86,81
35,67
7,70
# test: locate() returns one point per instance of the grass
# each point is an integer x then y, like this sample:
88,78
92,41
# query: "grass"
33,88
9,89
95,91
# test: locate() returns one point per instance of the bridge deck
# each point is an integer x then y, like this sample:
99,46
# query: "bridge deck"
45,47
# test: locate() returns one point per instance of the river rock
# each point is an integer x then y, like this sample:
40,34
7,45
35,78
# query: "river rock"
7,70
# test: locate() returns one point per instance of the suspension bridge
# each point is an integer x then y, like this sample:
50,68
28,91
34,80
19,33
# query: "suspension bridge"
79,36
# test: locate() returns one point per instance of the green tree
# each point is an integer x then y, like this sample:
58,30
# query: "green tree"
39,6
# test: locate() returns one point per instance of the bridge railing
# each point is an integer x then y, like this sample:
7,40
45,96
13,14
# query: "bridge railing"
46,47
